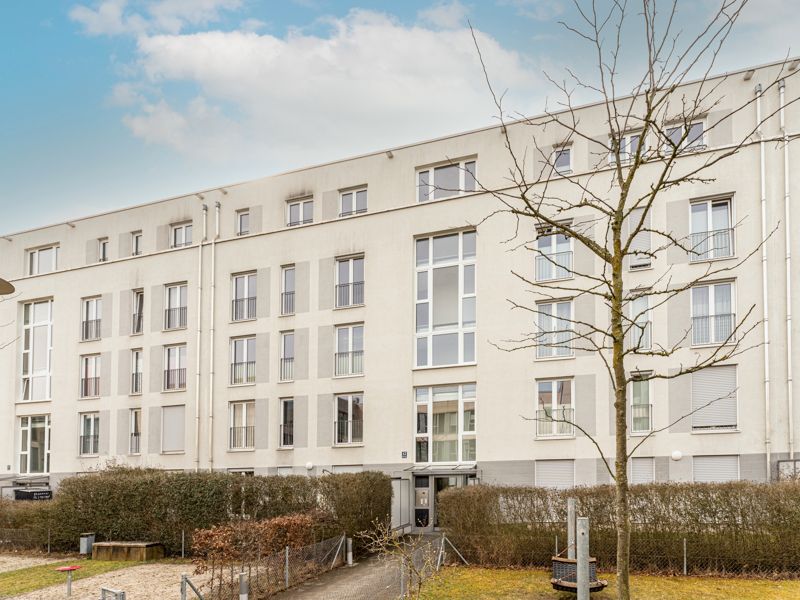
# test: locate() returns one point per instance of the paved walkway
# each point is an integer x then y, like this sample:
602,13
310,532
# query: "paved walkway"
371,579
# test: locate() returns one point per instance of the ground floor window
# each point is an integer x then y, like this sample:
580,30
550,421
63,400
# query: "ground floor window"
445,423
34,452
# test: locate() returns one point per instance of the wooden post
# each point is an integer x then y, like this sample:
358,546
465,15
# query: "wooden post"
583,558
571,515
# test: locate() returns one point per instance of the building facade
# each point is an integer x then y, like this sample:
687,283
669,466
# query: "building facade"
353,316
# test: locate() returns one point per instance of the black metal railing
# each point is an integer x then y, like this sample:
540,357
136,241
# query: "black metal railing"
243,372
355,211
348,432
712,329
136,383
89,444
242,437
350,363
243,309
287,435
707,245
137,322
641,418
287,303
135,443
349,294
300,222
175,318
174,379
90,330
287,369
90,387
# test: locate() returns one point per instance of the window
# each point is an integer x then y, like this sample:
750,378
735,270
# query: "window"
243,421
445,423
136,243
181,235
90,376
300,212
287,423
639,252
685,138
243,360
352,202
243,305
555,329
349,281
641,408
562,160
349,350
714,398
34,444
555,408
91,313
173,429
554,256
711,233
628,146
137,366
639,327
446,181
642,470
137,322
558,474
715,469
349,425
37,350
102,249
175,371
135,424
445,300
89,441
287,356
713,318
287,291
42,260
175,313
242,222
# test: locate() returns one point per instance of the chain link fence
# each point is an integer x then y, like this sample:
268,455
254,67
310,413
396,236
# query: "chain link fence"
23,539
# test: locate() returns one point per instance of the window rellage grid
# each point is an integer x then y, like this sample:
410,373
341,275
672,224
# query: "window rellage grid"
445,424
445,299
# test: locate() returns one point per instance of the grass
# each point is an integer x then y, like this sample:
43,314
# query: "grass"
29,579
473,583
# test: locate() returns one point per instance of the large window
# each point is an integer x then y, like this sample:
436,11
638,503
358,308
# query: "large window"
711,231
175,313
91,314
173,429
349,359
445,424
287,290
243,305
349,425
286,434
90,376
300,212
641,407
242,425
446,181
175,367
555,408
352,202
37,350
287,356
89,441
713,317
34,444
714,404
555,329
181,235
135,426
445,299
349,281
554,257
42,260
243,360
137,367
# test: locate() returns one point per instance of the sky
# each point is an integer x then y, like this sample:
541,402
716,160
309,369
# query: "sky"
111,103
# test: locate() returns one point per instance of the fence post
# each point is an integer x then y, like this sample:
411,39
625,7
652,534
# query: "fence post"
402,577
244,591
684,556
571,515
286,568
183,543
48,540
183,586
349,552
583,558
556,554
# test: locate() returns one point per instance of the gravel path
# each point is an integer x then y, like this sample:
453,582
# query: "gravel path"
12,562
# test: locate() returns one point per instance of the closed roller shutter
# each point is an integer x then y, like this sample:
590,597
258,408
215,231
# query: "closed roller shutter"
714,398
173,428
558,474
642,470
714,469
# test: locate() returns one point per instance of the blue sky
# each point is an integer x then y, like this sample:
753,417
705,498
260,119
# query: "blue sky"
108,103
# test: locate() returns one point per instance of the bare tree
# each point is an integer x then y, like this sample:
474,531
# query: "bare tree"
646,144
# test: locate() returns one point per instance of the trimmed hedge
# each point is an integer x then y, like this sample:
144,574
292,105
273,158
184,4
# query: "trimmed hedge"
737,527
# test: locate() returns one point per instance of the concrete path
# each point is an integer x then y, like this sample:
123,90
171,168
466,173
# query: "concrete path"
371,579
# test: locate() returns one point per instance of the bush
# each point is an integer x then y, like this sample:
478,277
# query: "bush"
729,527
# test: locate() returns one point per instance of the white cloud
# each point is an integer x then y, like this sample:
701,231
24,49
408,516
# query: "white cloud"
540,10
449,15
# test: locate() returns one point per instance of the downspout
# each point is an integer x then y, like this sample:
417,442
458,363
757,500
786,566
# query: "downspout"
764,283
211,340
199,339
787,217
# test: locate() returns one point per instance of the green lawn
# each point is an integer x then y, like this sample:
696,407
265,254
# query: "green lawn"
473,583
21,581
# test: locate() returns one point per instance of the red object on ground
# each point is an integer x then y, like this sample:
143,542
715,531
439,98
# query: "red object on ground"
69,568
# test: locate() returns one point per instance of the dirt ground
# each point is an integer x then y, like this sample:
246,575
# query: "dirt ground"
12,562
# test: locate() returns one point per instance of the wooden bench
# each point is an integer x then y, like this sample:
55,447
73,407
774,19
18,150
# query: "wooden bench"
133,551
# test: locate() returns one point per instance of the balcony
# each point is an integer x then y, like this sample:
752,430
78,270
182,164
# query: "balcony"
287,435
558,422
287,369
89,444
175,318
641,418
137,323
551,266
135,443
90,330
713,329
349,363
287,303
242,437
243,372
710,245
349,294
175,379
136,383
90,387
243,309
348,432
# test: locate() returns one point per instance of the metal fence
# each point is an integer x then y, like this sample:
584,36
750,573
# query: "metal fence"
23,539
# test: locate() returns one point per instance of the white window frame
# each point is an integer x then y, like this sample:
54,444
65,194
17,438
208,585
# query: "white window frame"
180,235
91,366
33,256
354,195
352,398
28,350
708,237
283,339
548,350
134,423
137,368
285,302
467,393
550,264
624,147
282,422
641,379
558,151
26,425
91,310
94,429
640,325
711,313
241,216
301,204
250,280
425,179
552,424
248,411
183,302
136,243
136,294
686,145
247,348
350,260
181,360
352,361
102,249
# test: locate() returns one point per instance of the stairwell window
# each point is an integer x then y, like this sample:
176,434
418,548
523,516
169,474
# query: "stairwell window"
446,181
555,412
349,359
242,425
243,361
37,350
349,425
349,281
713,315
352,202
176,301
42,260
712,235
181,235
300,212
445,424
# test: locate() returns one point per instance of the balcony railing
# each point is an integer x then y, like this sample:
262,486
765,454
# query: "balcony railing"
349,294
355,211
287,303
243,372
348,432
712,329
641,418
287,435
90,387
175,318
300,222
708,245
553,265
175,379
550,422
243,309
552,344
287,369
137,323
639,335
136,383
350,363
242,437
89,444
135,446
90,330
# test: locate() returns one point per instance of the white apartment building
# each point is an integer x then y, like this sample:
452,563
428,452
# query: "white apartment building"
347,316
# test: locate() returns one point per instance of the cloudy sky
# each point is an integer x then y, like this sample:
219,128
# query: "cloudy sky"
107,103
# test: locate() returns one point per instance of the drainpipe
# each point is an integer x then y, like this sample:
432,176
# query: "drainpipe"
787,217
764,283
211,340
199,339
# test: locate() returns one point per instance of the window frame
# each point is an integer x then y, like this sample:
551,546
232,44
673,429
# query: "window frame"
686,146
709,203
301,203
102,249
27,356
245,342
624,150
641,378
551,348
558,424
550,263
250,280
134,423
26,452
136,243
467,177
90,363
242,214
350,351
94,428
248,409
137,368
91,306
135,295
181,360
183,303
286,303
711,313
284,401
183,228
350,397
559,151
463,434
284,366
351,296
353,192
33,259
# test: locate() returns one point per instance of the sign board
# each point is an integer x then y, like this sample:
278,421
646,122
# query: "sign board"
33,494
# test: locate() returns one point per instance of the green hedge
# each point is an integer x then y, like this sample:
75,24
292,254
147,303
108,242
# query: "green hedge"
123,503
737,527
